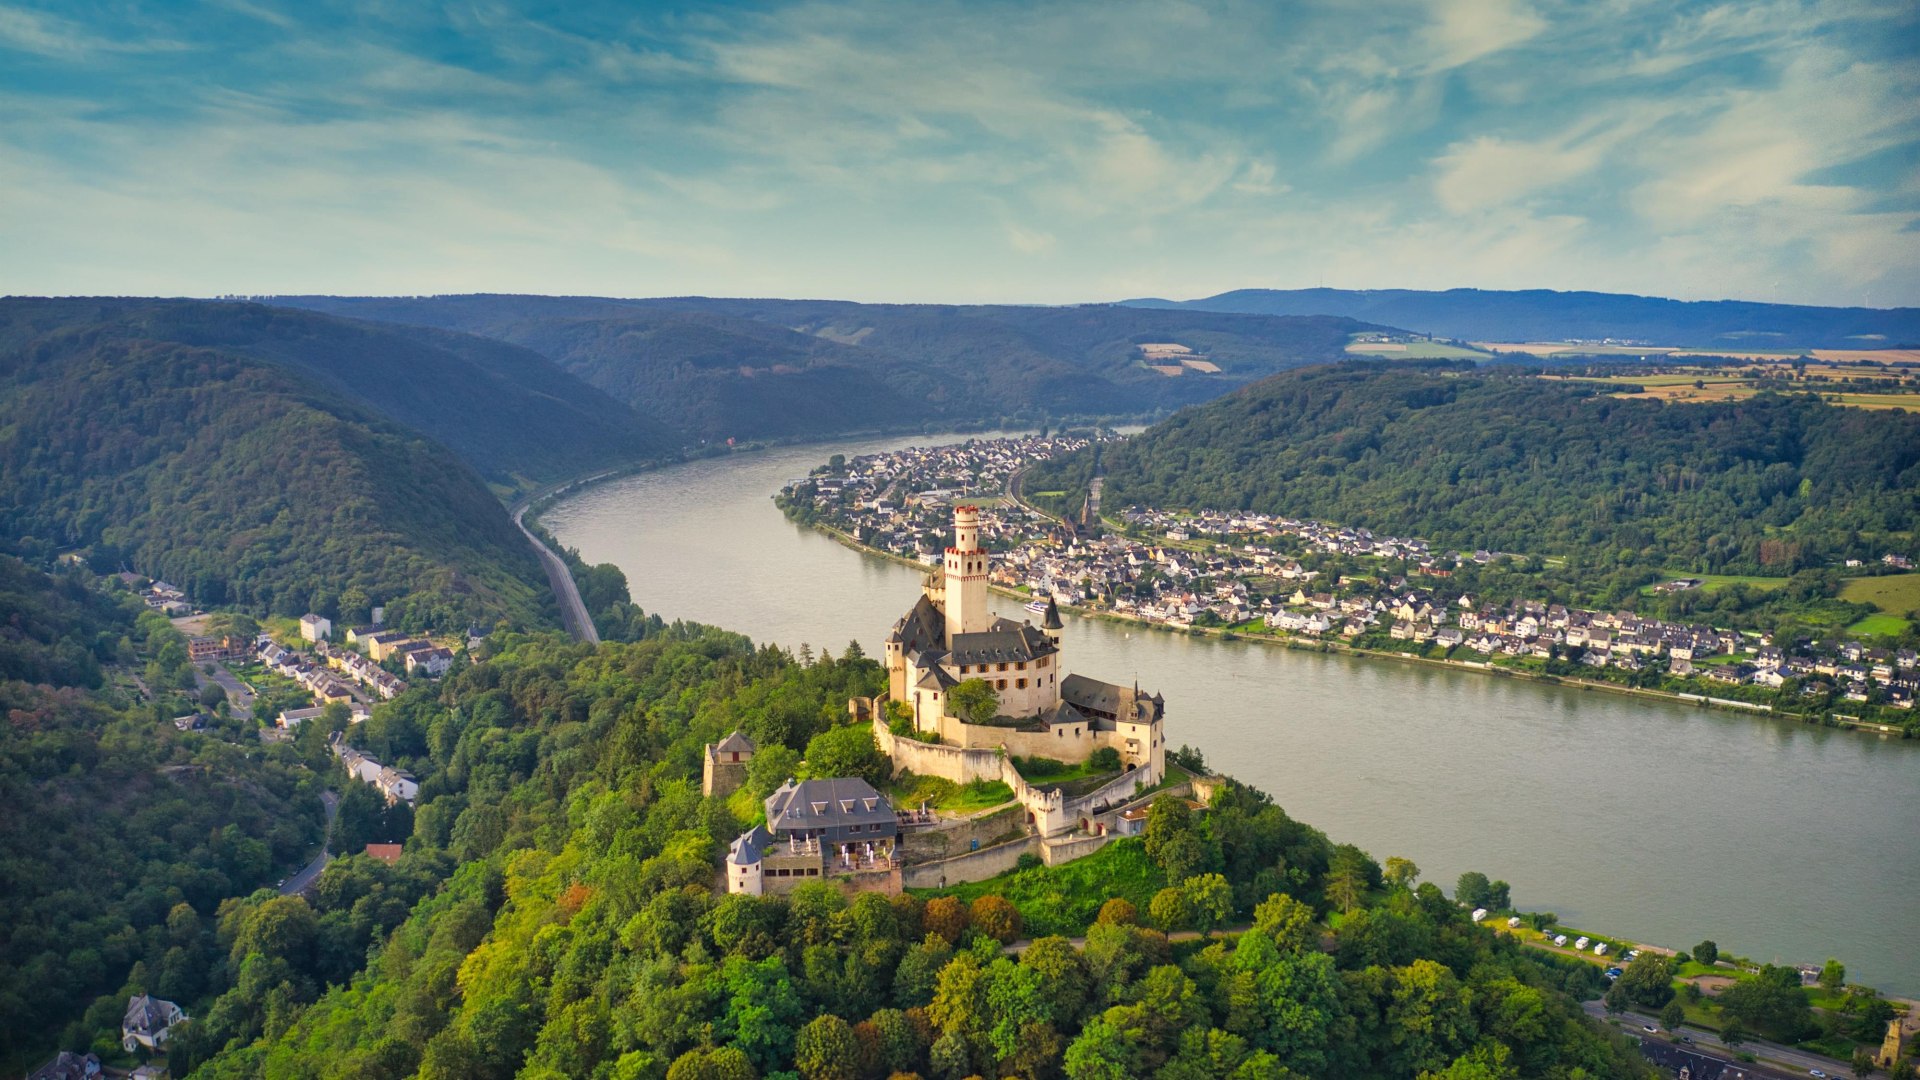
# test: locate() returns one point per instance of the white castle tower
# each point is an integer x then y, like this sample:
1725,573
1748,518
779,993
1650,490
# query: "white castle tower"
966,574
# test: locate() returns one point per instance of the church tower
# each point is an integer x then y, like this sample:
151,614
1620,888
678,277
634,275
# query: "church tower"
966,574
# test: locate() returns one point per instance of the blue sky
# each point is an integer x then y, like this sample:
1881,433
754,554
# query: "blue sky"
962,152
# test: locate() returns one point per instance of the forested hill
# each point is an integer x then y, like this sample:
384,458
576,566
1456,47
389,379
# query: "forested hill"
509,412
727,368
1513,463
1545,315
242,480
122,835
582,936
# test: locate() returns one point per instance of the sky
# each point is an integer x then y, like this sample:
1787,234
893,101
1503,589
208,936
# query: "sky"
961,152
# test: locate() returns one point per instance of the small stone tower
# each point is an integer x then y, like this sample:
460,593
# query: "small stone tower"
725,766
1890,1046
966,577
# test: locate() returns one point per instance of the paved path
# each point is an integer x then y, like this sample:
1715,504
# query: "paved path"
304,880
1799,1061
573,613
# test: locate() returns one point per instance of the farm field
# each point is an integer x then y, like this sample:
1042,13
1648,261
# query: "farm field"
1881,625
1895,594
1716,582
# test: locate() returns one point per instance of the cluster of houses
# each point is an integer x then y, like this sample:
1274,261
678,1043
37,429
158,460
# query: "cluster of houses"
899,503
168,600
327,670
397,785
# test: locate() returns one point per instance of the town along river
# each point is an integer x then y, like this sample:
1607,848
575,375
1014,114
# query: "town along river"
1657,822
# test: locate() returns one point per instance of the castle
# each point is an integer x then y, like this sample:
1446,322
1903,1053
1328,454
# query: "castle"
949,637
842,830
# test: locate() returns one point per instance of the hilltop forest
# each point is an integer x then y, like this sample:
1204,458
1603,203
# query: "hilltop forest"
760,369
1487,459
247,481
563,922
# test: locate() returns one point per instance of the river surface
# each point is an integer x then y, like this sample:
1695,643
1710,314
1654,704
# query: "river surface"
1657,822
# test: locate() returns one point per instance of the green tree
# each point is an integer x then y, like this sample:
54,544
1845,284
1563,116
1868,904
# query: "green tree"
1102,1052
1209,902
1173,838
825,1049
1673,1015
1472,889
1648,980
1833,975
1288,923
1706,953
1401,873
1169,909
974,701
848,751
1347,878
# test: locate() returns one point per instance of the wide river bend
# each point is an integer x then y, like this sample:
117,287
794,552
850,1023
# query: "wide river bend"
1657,822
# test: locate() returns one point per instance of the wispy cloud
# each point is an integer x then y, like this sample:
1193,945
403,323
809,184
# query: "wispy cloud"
868,149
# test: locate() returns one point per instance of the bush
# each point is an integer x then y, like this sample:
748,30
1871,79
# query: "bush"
1105,759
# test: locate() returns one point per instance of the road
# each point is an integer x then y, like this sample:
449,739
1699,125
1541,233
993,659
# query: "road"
304,880
1798,1062
573,613
239,697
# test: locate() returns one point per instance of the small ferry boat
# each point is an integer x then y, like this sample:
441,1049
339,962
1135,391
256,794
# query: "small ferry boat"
1038,607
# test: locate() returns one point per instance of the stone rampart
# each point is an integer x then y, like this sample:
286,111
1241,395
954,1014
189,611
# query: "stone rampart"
973,866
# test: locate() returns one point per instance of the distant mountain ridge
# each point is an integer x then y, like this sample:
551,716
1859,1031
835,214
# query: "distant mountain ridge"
510,412
1546,315
762,368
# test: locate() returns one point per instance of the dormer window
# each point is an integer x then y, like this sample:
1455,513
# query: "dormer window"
819,808
846,806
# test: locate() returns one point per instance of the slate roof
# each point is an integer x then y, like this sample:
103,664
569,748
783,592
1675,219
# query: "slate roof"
826,804
1051,620
67,1065
1111,699
147,1015
1007,642
922,627
749,846
735,742
935,678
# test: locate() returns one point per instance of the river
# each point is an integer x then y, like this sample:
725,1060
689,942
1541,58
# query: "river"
1656,822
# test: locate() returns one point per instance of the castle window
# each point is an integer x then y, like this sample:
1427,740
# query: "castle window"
1003,667
1003,682
1020,684
1021,666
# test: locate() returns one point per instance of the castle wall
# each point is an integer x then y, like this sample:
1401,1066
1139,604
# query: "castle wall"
973,866
1064,849
959,837
962,766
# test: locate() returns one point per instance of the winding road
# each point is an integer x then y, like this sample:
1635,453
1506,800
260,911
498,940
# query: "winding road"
303,880
573,613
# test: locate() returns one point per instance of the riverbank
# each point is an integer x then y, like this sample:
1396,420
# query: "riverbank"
1317,645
